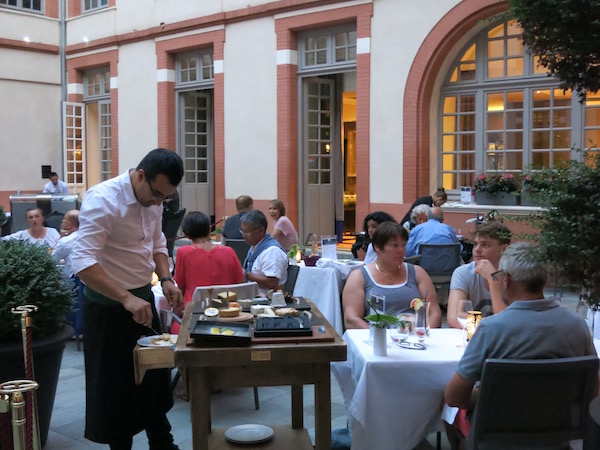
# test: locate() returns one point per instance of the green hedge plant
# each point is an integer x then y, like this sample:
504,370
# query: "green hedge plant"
28,275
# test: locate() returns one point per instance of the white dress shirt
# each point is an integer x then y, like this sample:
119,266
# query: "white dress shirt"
271,262
60,188
119,234
64,251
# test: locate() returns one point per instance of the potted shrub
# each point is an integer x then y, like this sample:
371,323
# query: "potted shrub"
29,275
569,239
495,189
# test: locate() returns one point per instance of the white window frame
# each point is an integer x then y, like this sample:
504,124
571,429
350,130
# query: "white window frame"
19,4
481,86
93,5
329,34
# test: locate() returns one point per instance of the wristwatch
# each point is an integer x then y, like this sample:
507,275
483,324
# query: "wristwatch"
162,280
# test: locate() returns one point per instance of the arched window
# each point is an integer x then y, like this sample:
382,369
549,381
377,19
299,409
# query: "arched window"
501,113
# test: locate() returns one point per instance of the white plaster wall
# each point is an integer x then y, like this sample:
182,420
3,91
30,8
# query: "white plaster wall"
31,134
29,66
398,29
250,75
96,25
16,25
138,117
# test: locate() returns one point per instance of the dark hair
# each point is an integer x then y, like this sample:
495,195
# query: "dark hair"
494,229
377,216
53,174
441,193
279,206
243,203
196,224
161,161
386,231
35,209
255,218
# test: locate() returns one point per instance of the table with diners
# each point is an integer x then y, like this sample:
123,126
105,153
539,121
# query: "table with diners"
395,401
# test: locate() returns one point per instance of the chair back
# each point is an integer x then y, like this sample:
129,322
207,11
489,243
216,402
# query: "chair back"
242,290
292,276
240,248
528,403
170,227
439,259
54,220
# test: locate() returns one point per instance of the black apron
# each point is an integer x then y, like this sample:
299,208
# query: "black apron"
115,406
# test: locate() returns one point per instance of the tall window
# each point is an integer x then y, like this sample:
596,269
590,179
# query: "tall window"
27,5
195,79
501,113
91,5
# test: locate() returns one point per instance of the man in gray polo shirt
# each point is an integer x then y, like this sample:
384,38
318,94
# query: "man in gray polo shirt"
526,329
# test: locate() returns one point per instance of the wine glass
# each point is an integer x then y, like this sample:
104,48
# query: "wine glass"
462,312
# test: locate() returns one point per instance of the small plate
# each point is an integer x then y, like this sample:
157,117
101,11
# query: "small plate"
249,434
157,341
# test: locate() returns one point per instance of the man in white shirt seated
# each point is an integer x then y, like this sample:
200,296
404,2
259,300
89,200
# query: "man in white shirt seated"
55,186
64,246
266,262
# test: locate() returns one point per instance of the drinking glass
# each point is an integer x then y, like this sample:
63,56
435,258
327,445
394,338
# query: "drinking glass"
400,331
462,312
421,323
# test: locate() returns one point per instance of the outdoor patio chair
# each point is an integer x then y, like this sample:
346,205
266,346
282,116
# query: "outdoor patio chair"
439,261
526,404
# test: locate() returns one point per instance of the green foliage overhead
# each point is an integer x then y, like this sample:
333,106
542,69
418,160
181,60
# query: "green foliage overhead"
28,275
566,36
569,224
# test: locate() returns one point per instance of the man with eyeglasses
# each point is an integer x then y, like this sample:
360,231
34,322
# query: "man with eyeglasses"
120,244
526,329
266,262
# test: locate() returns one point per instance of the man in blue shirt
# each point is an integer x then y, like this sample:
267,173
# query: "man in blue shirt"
431,232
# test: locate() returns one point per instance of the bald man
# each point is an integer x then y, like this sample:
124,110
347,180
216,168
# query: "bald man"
68,234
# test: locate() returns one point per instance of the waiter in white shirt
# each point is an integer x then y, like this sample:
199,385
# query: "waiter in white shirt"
55,186
119,245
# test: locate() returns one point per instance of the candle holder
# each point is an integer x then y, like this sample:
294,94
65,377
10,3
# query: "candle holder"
473,318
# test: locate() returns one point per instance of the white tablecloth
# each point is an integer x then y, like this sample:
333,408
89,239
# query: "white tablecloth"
394,401
320,284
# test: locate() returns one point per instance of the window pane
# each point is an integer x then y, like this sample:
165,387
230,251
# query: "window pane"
541,99
495,121
449,124
514,119
562,118
450,105
495,69
495,49
449,143
514,47
592,138
541,119
540,139
561,139
514,67
514,141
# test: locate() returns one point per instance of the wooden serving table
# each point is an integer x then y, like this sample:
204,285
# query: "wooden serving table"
208,366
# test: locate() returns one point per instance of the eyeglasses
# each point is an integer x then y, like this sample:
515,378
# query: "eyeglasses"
497,276
247,233
158,195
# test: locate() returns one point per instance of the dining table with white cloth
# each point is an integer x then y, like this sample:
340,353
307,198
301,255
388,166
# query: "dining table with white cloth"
395,401
320,285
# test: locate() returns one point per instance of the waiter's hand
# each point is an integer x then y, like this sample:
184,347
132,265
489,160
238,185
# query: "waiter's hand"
140,309
173,294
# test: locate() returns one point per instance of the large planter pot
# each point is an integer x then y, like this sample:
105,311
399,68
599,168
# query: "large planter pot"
47,357
526,200
496,199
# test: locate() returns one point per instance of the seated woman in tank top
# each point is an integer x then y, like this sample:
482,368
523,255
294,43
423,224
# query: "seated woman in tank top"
388,277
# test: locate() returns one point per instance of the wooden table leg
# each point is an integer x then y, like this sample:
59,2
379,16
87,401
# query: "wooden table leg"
322,407
297,407
199,407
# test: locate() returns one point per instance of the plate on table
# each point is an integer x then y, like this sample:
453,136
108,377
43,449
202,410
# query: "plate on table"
249,434
157,341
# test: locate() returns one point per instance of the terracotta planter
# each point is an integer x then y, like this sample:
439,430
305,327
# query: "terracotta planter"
496,199
47,357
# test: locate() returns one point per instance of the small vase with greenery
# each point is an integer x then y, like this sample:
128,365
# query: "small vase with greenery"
29,275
